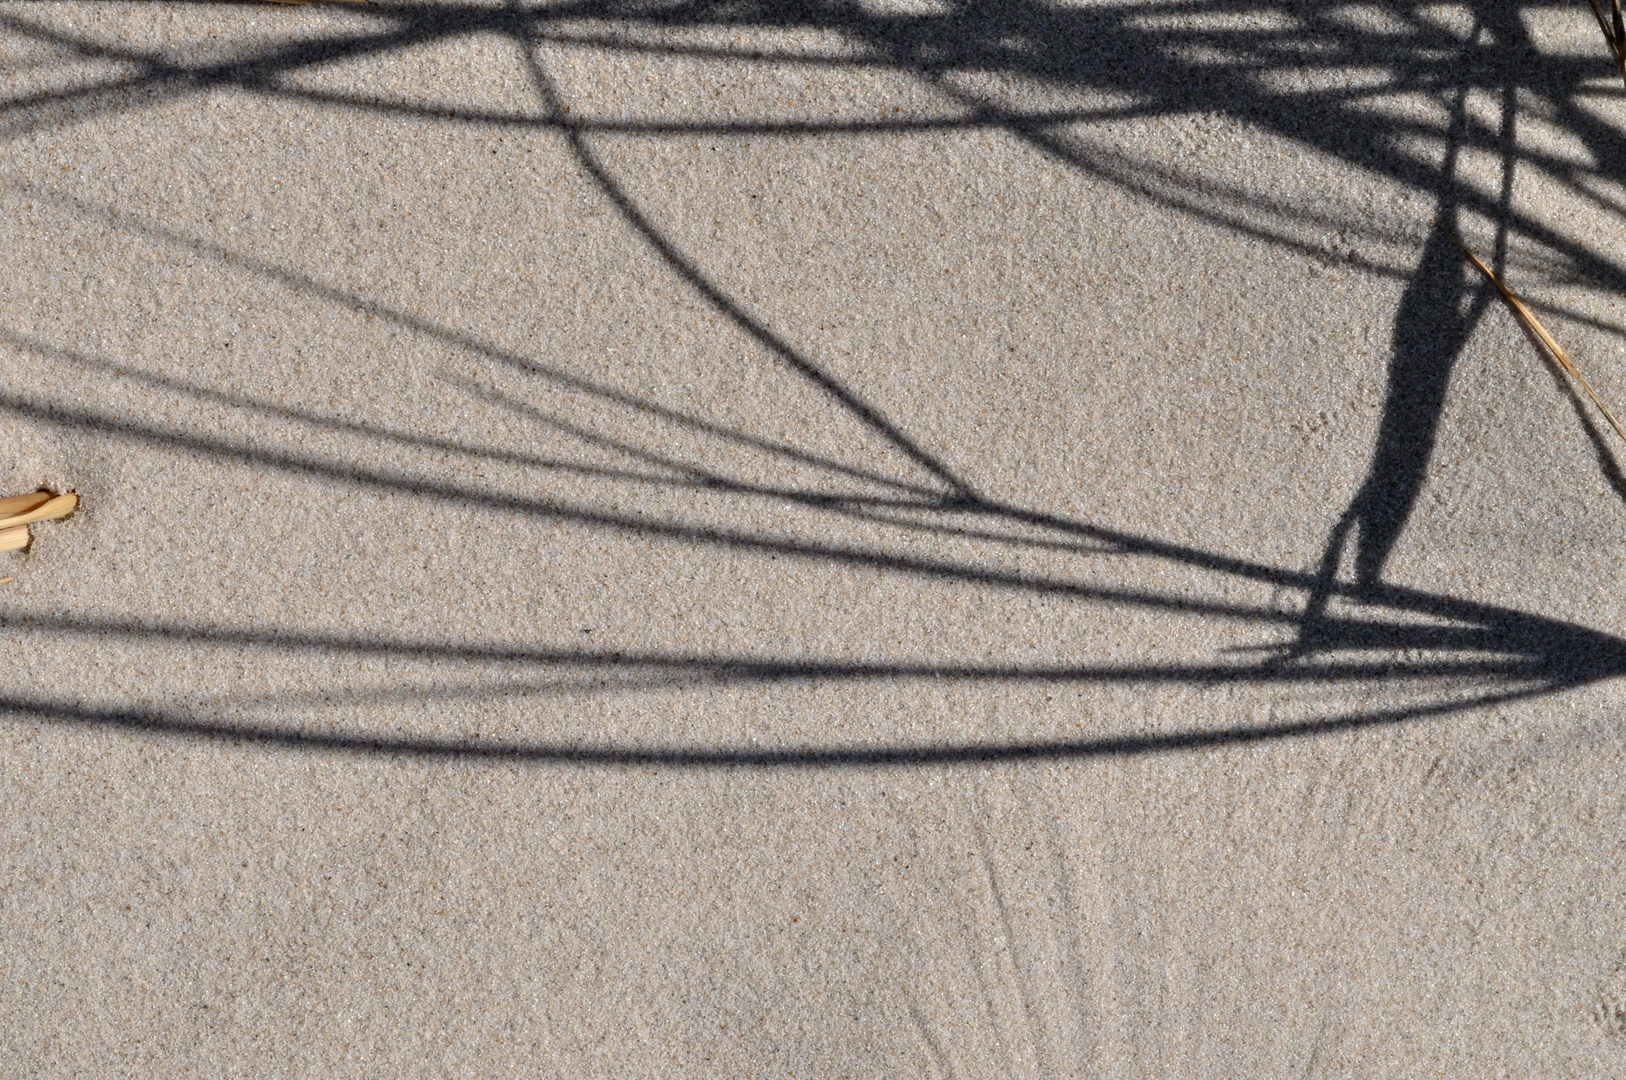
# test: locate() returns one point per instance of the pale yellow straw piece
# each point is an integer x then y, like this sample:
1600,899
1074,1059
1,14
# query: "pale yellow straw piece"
22,504
14,538
61,506
1530,320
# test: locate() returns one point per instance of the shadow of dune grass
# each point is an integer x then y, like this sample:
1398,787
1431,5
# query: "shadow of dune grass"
1277,68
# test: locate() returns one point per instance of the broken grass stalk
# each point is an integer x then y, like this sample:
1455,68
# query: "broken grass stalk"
1614,32
1529,319
60,506
19,511
22,504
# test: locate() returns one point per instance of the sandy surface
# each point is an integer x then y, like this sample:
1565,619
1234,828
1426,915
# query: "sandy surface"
744,539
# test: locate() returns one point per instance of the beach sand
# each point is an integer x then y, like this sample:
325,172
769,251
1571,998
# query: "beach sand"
810,540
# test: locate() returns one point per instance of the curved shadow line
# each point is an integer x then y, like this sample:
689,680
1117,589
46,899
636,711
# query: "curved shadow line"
1175,191
724,303
589,126
298,282
1518,661
1505,620
1395,596
709,291
1118,540
849,504
160,723
694,478
898,39
600,681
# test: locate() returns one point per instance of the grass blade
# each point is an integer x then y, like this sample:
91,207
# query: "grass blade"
1603,24
1620,36
1529,319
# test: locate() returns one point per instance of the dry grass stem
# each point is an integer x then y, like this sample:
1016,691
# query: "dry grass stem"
22,504
1619,37
1534,324
61,506
20,511
1614,32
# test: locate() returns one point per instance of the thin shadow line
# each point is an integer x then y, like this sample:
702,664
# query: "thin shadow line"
162,723
298,282
903,39
1519,647
709,290
1399,597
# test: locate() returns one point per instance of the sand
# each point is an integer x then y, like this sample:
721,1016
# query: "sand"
811,540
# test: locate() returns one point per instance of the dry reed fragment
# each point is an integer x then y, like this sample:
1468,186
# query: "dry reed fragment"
61,506
1614,32
1529,319
14,539
22,504
1619,36
1603,24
